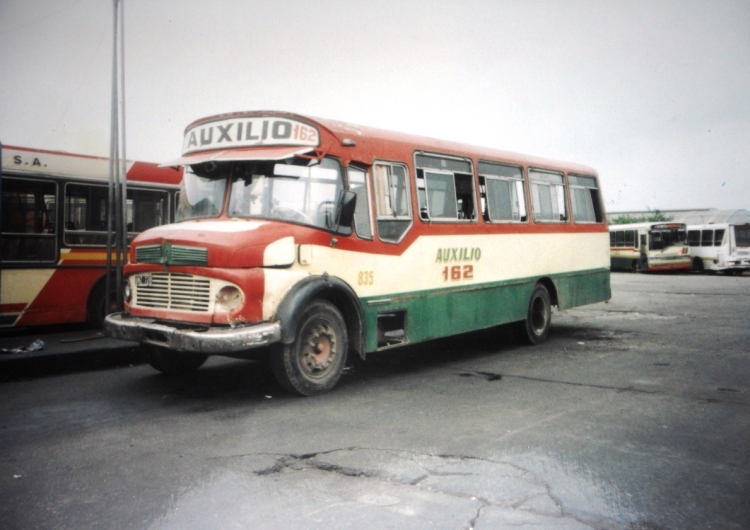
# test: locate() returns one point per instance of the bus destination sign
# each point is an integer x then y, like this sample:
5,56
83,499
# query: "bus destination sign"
249,132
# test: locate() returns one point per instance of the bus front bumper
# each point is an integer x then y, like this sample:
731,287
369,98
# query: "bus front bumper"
211,340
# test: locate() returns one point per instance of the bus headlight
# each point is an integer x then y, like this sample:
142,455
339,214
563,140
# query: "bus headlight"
229,297
126,292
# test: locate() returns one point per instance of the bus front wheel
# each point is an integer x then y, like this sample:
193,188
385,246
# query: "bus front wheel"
313,363
538,316
171,362
96,307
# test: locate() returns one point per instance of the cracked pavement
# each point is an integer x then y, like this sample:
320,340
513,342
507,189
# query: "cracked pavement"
396,489
634,415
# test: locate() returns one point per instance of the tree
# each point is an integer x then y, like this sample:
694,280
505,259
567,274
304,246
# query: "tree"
654,216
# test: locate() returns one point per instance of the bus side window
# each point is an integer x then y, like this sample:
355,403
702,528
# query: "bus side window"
358,184
503,193
707,238
612,239
392,201
146,209
28,210
445,188
694,238
718,238
584,199
85,214
548,196
620,238
629,238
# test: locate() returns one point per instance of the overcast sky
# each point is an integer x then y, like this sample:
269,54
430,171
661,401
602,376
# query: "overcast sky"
654,94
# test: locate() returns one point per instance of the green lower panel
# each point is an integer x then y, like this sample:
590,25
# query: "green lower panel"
583,288
444,312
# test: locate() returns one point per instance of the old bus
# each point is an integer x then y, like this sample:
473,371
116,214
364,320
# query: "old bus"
54,231
649,247
309,239
720,247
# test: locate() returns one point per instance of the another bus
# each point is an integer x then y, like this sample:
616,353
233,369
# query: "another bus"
720,247
304,240
648,247
54,231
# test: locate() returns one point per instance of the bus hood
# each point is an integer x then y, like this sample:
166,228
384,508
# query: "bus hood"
217,243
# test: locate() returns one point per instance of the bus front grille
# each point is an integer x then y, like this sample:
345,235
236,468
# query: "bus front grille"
172,254
184,255
168,290
148,254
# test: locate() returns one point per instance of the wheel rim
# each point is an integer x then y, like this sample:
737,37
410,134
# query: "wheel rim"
319,349
539,316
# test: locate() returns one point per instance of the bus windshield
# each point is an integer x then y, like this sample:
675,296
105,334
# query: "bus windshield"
201,192
742,235
662,238
295,191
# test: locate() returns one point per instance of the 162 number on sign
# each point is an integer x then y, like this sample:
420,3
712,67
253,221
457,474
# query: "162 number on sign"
458,272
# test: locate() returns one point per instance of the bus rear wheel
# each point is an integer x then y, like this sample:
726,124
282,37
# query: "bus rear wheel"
313,363
538,316
698,265
171,362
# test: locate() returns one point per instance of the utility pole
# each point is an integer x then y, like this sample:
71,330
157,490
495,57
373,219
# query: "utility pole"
117,234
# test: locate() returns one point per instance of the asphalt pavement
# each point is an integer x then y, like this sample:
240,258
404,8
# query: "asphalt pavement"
635,414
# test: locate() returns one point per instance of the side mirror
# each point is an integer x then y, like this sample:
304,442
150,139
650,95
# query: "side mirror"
347,203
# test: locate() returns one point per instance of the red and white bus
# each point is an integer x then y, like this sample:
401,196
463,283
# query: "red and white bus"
649,246
54,231
309,239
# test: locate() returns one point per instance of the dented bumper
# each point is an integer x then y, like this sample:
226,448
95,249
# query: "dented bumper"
209,340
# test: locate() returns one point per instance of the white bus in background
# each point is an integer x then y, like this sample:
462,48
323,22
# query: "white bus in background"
649,247
720,247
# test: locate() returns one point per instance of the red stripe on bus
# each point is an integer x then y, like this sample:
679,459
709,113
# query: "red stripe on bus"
63,298
147,172
12,308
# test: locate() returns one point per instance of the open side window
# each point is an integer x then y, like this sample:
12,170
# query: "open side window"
445,188
585,200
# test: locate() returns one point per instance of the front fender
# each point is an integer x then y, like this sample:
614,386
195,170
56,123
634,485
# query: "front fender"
327,288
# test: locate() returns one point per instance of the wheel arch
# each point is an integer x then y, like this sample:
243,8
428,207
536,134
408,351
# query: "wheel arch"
98,289
551,289
331,289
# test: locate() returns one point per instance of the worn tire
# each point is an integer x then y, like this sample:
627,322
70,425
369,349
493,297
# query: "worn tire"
313,363
538,316
173,362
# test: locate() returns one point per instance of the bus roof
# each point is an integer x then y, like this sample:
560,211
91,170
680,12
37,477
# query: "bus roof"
31,161
373,143
658,225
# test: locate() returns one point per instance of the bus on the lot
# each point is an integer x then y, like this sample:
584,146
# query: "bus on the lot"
649,247
720,247
307,239
54,231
